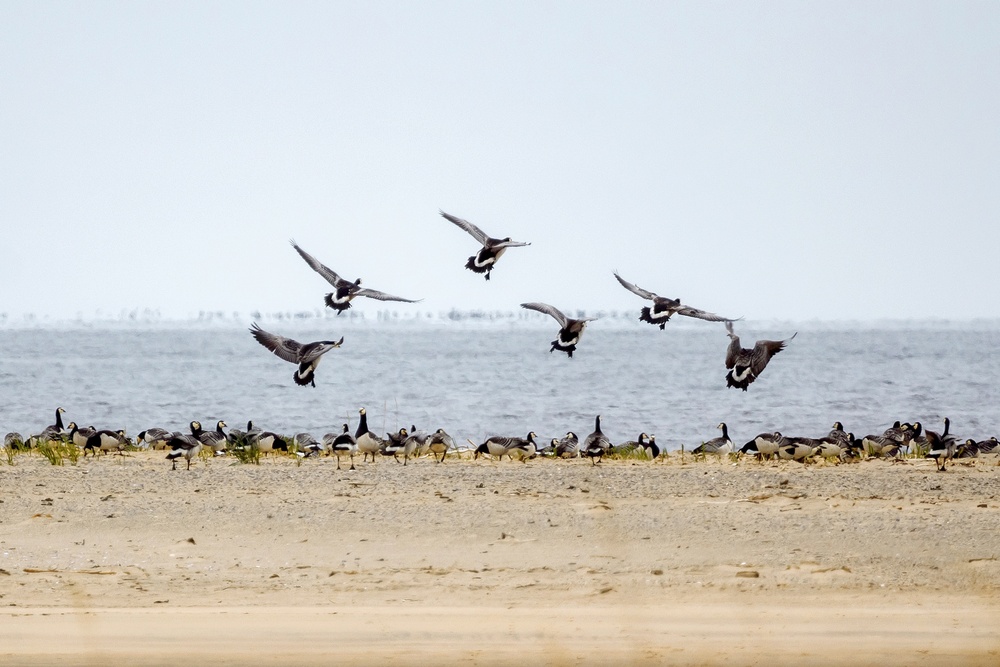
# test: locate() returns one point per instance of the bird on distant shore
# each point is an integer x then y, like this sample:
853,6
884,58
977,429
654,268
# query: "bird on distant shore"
567,447
345,290
664,308
440,442
342,443
484,260
941,447
745,365
154,438
306,356
570,329
596,445
185,445
368,442
721,445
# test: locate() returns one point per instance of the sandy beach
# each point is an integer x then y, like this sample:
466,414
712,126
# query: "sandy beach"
121,560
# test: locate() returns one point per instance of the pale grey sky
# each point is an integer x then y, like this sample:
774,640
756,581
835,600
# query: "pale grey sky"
790,160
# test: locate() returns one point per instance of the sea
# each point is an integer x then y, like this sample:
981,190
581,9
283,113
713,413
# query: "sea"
494,375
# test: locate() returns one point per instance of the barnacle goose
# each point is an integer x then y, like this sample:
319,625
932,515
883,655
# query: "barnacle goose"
745,365
567,447
596,445
570,329
484,260
941,447
368,442
342,443
721,445
184,445
345,290
306,356
439,443
663,308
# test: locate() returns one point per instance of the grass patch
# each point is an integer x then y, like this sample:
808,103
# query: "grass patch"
246,455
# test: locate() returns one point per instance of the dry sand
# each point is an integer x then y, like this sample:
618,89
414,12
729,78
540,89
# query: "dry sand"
123,561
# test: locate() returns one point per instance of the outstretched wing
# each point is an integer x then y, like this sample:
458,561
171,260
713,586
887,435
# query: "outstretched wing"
635,289
286,348
702,315
734,347
476,232
763,351
382,296
548,310
329,274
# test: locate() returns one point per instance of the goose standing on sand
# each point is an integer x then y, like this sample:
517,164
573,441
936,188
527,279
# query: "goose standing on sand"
941,447
596,445
570,329
395,444
746,364
567,447
650,449
368,442
663,308
105,441
345,290
440,442
764,445
50,432
484,260
153,438
13,440
498,445
342,443
721,445
188,446
216,440
79,436
306,356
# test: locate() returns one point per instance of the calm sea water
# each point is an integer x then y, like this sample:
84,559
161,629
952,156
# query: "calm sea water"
479,379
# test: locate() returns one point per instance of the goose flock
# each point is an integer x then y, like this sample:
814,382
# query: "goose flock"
898,442
744,366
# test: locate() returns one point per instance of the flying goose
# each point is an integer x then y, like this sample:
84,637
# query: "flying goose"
184,445
721,445
745,364
570,329
306,356
368,442
345,290
484,260
440,442
596,445
340,444
664,308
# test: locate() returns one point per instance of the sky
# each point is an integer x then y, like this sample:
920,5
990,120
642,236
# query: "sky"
773,160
